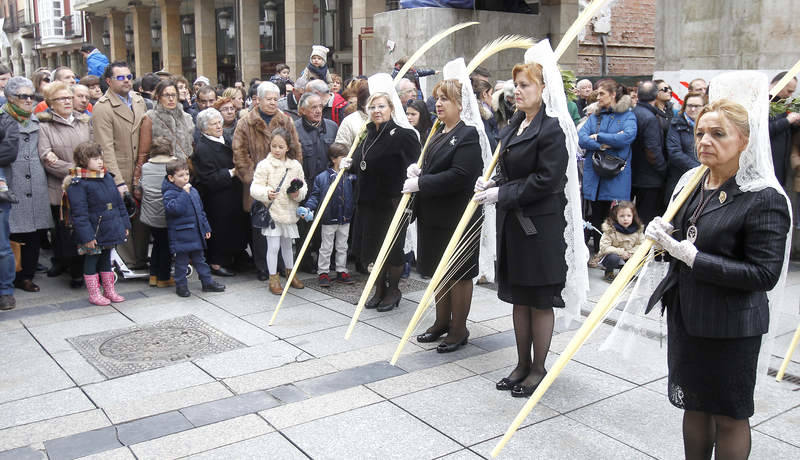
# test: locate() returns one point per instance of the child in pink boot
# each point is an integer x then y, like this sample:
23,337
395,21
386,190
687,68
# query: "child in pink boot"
99,219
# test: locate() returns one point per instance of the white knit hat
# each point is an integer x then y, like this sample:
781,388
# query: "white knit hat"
319,50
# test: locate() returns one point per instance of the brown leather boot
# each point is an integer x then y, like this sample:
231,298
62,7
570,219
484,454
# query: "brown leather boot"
275,284
296,283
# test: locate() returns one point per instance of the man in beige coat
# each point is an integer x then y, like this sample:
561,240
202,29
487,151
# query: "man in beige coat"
116,120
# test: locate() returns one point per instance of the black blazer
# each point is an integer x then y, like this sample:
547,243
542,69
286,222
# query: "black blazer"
741,243
532,176
447,181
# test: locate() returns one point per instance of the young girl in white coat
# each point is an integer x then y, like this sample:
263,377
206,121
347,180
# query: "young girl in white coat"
278,183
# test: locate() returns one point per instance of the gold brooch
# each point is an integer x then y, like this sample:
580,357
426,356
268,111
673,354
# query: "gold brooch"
722,197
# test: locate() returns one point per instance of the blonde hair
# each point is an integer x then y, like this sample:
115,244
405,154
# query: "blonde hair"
230,92
451,89
52,89
386,96
533,71
735,113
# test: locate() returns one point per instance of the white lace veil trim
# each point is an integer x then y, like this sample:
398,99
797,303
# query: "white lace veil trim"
756,172
383,83
471,116
577,286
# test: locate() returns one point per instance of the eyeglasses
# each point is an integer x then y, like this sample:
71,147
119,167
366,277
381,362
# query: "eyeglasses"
62,100
23,96
124,77
169,95
666,89
381,107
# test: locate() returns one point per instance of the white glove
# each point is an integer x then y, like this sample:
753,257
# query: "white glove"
413,171
659,231
411,185
346,163
482,184
488,196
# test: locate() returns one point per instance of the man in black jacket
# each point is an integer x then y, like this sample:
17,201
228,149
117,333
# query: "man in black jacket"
648,160
781,127
9,146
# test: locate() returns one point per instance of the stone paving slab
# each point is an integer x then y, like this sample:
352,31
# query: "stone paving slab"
43,407
348,378
78,369
146,384
253,300
767,447
82,444
773,398
27,369
298,320
419,380
126,410
53,337
120,453
432,358
469,410
360,357
463,454
23,453
25,435
153,427
252,359
502,324
561,437
279,376
272,445
489,362
380,431
784,426
288,394
331,341
202,439
282,417
228,408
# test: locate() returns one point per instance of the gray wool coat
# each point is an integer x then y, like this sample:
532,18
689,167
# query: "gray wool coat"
29,184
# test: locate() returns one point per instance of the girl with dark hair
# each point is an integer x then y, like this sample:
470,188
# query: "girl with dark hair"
622,234
418,116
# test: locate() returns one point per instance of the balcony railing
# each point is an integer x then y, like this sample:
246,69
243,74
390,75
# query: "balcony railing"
56,30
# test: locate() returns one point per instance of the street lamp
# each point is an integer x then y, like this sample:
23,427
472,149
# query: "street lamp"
270,20
330,6
128,35
155,31
106,38
225,20
187,25
270,12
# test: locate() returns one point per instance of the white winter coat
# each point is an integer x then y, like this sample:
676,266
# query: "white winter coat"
266,178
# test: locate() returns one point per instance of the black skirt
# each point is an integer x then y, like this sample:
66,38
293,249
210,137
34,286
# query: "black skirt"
716,376
431,243
373,223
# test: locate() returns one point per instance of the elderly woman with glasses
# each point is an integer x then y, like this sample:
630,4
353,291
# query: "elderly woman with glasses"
166,119
28,180
62,128
221,191
227,107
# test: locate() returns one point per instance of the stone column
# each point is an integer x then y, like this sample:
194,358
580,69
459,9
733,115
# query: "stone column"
299,20
363,11
76,63
171,36
116,27
97,26
16,63
205,27
560,15
250,54
52,61
142,40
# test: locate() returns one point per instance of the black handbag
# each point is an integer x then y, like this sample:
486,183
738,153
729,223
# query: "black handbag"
259,212
606,166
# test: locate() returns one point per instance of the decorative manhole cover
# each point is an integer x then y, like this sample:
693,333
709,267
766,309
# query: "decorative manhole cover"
149,346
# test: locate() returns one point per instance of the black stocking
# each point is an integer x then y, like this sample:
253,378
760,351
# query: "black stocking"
522,332
443,312
698,435
460,301
380,290
733,438
393,293
542,327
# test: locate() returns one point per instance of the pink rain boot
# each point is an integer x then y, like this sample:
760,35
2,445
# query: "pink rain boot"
108,287
93,286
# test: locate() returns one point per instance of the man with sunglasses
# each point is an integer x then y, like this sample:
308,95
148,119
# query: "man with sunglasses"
116,121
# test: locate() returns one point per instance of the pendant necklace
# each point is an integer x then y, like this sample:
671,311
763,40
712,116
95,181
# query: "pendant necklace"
365,150
691,232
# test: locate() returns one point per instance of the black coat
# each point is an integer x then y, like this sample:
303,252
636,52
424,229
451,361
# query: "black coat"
647,151
221,195
532,176
315,142
9,145
449,171
97,211
741,243
387,151
681,154
780,138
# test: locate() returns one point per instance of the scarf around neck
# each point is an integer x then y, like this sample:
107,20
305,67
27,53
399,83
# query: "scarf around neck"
174,125
22,116
632,228
84,173
321,71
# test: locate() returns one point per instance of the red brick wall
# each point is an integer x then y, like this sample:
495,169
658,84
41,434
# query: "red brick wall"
630,45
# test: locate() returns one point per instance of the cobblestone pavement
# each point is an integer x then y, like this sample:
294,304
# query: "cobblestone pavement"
298,389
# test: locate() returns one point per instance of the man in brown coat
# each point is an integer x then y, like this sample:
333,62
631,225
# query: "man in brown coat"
250,145
116,120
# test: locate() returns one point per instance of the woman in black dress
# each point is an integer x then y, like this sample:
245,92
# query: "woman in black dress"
727,246
443,188
221,191
380,162
529,192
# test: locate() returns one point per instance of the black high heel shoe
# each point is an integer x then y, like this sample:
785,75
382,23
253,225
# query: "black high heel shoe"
428,337
451,347
373,302
507,384
522,391
390,303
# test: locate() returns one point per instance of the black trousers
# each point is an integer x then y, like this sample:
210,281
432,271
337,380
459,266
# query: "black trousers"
160,258
649,202
31,244
65,251
599,213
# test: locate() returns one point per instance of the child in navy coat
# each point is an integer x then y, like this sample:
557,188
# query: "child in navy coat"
187,227
337,216
99,219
